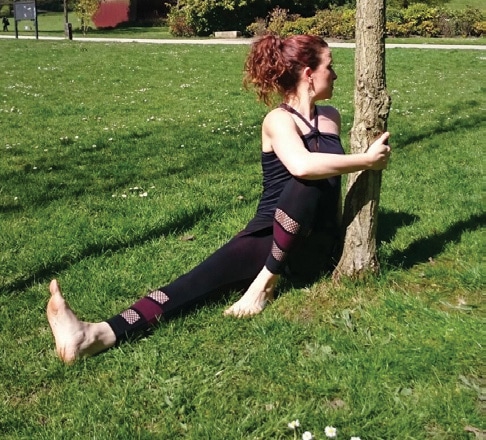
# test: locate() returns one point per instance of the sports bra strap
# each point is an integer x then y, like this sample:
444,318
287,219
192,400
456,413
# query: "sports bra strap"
296,113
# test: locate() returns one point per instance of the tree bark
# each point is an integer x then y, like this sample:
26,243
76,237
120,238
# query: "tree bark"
372,105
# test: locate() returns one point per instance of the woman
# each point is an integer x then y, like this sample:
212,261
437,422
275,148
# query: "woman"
302,161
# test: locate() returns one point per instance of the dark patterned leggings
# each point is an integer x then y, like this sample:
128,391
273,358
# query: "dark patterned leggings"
234,265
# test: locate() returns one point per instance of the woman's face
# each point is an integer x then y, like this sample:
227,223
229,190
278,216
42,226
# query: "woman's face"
324,76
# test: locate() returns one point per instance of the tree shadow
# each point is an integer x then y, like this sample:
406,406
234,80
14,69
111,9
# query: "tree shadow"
389,222
8,208
421,250
448,123
60,179
417,252
179,225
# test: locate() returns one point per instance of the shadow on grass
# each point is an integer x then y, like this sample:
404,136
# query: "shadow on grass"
449,123
179,225
133,32
421,250
389,222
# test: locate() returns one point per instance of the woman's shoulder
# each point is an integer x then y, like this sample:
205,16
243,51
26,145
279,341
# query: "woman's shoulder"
329,118
277,117
278,113
329,111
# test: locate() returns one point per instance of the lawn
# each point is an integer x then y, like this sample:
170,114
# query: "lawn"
114,154
52,24
460,4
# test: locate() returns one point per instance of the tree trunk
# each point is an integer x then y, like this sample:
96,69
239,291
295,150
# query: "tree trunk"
372,104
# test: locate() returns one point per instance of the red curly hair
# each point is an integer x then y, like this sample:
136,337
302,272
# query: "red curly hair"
274,64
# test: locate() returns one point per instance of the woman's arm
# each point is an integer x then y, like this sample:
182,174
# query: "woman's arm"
280,133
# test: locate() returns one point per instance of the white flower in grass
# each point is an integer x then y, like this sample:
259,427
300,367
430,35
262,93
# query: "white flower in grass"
307,435
355,438
294,424
330,431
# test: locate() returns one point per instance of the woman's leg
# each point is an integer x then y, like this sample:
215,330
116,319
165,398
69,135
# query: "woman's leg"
256,297
233,266
294,219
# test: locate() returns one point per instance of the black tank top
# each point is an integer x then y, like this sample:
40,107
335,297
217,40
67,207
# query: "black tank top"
275,175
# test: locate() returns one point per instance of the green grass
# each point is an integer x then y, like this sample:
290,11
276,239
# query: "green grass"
469,41
461,4
52,24
83,125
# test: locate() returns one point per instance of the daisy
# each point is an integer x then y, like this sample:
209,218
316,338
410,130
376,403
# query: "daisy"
330,432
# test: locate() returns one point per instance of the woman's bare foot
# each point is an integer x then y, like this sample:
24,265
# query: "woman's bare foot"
258,295
75,338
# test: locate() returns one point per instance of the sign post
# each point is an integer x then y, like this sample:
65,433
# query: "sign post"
26,10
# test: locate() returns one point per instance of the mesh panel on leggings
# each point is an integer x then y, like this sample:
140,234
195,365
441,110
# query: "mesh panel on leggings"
131,316
159,296
277,253
289,224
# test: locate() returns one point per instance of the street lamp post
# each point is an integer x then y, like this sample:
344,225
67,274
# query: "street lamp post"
68,31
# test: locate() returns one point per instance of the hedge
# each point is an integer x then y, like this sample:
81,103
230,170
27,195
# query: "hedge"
336,22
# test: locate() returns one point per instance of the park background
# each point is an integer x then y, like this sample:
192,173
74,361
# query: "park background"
125,164
190,18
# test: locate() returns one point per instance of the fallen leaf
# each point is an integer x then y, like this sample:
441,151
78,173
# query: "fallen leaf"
187,237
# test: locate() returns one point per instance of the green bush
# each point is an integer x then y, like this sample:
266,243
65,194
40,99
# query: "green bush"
179,23
280,22
300,26
447,23
324,23
257,28
466,21
204,17
345,27
335,23
398,29
339,22
5,11
394,15
422,20
479,28
277,19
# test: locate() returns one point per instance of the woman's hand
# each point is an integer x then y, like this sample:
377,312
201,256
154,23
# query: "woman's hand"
379,152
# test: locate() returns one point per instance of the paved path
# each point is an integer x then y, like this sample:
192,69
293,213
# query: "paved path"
239,41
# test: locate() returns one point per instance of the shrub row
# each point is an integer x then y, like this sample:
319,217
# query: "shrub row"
425,21
336,22
339,22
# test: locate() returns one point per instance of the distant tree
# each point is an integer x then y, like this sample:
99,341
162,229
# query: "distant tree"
51,5
5,11
203,17
85,9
